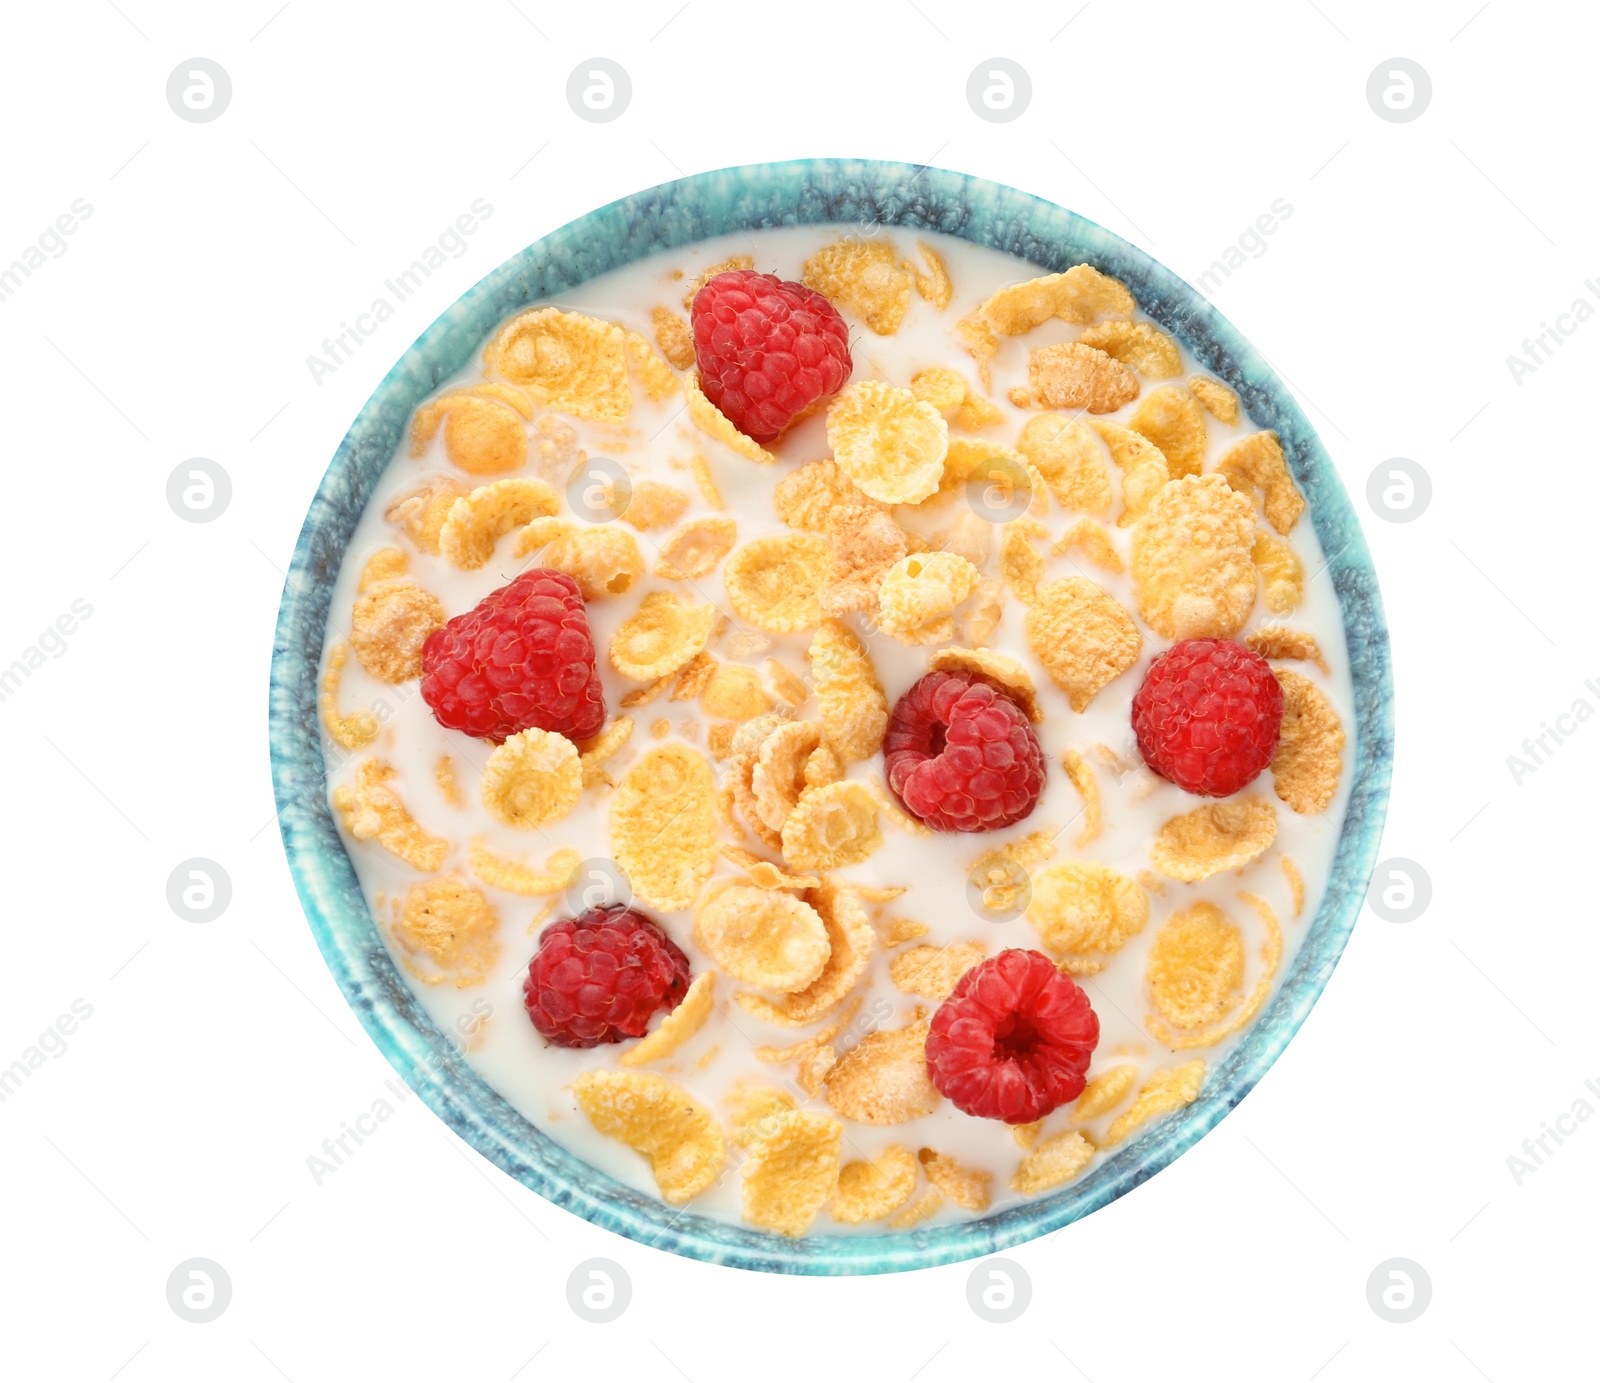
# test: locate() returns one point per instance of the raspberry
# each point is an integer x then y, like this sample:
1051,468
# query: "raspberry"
766,350
1013,1040
961,755
522,658
1207,716
599,976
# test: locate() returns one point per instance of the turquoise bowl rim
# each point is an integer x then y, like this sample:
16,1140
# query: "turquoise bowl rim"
864,194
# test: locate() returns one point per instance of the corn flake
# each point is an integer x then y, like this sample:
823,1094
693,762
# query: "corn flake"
347,731
1258,463
832,826
734,692
574,364
1217,399
754,1108
1214,838
1277,641
1171,419
774,582
659,1120
931,972
871,1190
866,278
653,373
850,699
787,685
1088,538
1105,1091
850,943
1021,566
1163,1093
1186,1039
1085,912
968,536
476,521
1193,577
372,810
809,494
1082,636
791,1171
700,468
517,876
654,505
918,594
594,753
483,431
763,873
663,826
890,443
444,775
1144,468
1138,344
696,548
1297,885
660,637
1081,775
941,388
1054,1162
452,926
673,337
1282,575
1065,453
883,1079
1310,753
1196,967
762,936
603,560
531,780
389,623
682,1023
866,543
966,1187
924,1207
1071,375
934,286
1077,296
384,564
420,513
778,778
985,610
711,420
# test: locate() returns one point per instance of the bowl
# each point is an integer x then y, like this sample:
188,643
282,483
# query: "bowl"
849,193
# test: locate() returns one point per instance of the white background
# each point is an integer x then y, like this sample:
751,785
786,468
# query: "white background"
179,1119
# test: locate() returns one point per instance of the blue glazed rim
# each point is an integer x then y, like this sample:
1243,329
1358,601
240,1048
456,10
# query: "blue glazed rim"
864,193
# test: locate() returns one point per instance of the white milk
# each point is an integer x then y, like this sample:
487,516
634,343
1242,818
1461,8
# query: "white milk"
657,442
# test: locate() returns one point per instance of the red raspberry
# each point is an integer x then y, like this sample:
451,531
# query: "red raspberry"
1207,716
522,658
599,976
767,350
1013,1040
961,755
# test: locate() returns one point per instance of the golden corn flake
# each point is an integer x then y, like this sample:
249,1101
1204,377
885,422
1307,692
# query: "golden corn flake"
1006,674
603,560
1193,577
660,637
1218,400
1138,344
653,373
1277,641
1088,538
965,1186
1144,468
778,778
1085,912
741,772
1078,296
451,926
663,826
1297,885
1054,1162
791,1171
762,936
700,468
977,413
1196,967
476,521
1105,1091
734,692
980,343
866,543
1071,375
693,677
808,495
1082,636
719,739
444,774
850,943
654,505
924,1207
941,388
711,420
696,548
763,873
773,582
726,266
883,1079
1282,575
968,536
871,1190
896,931
1065,453
372,810
1163,1093
1081,775
832,826
1171,419
1020,563
931,972
347,731
1310,753
1002,471
420,513
673,336
985,610
593,753
934,286
754,1109
1258,463
572,363
850,699
788,686
1213,838
557,450
389,623
918,594
517,876
483,428
823,767
532,779
890,443
678,1026
384,564
659,1120
1221,952
866,278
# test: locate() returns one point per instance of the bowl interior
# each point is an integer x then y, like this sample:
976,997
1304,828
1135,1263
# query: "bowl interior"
852,193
